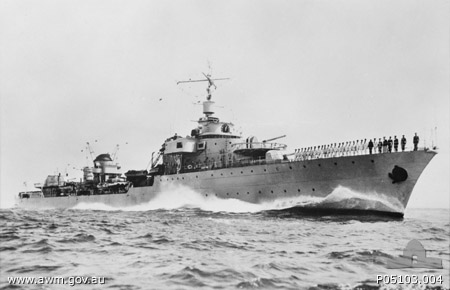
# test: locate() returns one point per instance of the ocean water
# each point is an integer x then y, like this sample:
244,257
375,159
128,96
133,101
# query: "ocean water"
202,244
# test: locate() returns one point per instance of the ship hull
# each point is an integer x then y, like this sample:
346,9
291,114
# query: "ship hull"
356,183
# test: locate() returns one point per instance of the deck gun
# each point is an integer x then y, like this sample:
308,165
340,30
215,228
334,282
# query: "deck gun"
272,139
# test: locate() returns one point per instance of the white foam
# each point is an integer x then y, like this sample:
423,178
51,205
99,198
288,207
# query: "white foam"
345,198
179,196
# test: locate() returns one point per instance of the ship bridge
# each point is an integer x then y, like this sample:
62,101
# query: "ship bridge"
212,144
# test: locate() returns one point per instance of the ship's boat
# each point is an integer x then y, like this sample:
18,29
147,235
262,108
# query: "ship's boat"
217,162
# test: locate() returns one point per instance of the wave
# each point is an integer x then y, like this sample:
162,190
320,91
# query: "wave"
181,197
346,198
79,238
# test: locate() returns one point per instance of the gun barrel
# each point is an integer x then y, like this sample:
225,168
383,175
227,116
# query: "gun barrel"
272,139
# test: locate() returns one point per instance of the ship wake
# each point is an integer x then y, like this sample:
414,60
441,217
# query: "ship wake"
178,196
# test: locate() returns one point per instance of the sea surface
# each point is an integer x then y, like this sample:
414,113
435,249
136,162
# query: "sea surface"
204,246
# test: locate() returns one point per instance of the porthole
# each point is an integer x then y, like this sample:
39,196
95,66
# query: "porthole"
212,174
160,180
182,178
353,162
206,194
196,176
372,161
242,172
271,191
237,193
228,193
251,171
298,190
319,165
231,173
248,192
335,163
178,178
259,192
265,170
276,168
290,167
304,166
285,191
314,189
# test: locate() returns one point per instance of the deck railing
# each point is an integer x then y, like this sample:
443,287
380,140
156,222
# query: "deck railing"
300,155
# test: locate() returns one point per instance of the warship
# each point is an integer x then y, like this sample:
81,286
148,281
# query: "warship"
218,163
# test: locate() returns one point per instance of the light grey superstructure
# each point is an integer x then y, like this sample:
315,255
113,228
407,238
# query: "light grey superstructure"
215,161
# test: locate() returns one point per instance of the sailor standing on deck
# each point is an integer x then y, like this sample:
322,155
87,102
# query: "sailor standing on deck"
370,146
403,143
390,144
395,144
415,141
380,145
385,144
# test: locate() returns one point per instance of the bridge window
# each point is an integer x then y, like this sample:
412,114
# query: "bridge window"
179,145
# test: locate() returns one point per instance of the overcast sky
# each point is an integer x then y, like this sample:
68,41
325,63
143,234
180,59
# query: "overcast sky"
318,71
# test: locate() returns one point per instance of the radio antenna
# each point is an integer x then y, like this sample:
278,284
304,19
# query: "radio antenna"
207,79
